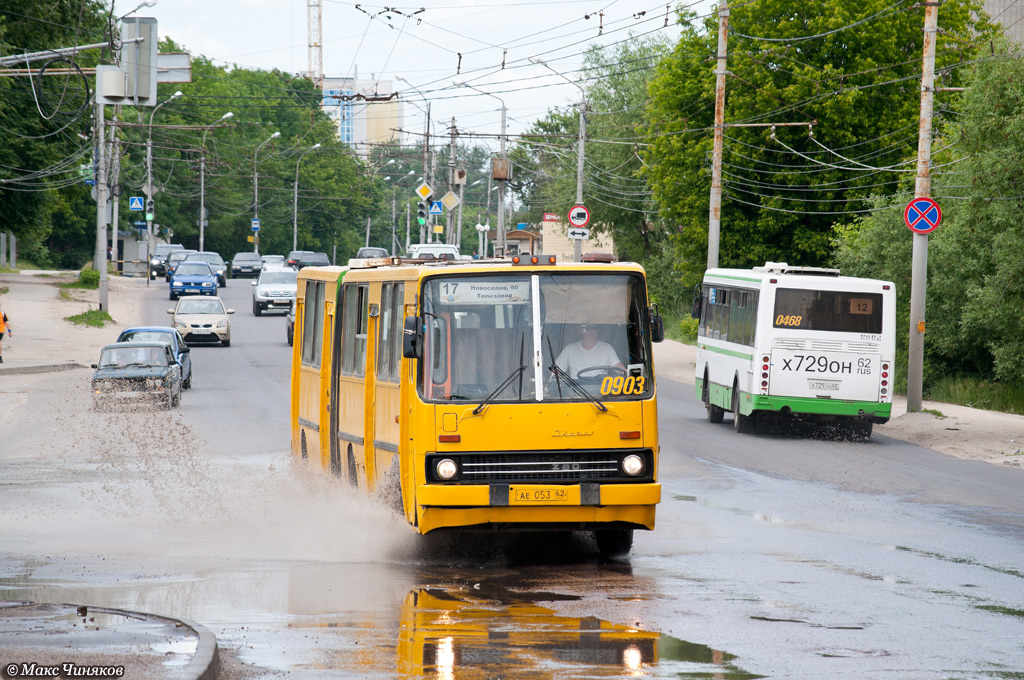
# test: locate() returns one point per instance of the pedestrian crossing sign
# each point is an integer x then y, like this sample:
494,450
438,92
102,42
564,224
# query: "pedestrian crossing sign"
135,203
435,208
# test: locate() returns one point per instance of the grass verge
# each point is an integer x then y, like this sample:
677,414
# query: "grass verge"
96,318
979,393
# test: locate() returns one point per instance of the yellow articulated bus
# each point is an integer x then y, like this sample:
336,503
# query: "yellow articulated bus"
496,395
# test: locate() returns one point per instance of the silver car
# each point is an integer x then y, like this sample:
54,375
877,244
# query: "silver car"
274,289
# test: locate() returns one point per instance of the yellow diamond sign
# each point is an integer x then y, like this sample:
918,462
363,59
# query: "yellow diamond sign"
450,200
424,191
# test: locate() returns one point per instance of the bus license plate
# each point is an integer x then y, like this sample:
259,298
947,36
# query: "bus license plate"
823,385
541,495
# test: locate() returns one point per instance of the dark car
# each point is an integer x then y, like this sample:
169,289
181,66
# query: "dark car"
216,262
193,278
246,264
367,252
169,337
173,259
307,258
289,324
134,372
158,261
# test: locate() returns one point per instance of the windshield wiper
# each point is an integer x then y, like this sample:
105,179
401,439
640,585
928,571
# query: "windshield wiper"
508,381
571,382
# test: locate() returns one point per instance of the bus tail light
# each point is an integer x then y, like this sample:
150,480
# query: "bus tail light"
630,434
449,438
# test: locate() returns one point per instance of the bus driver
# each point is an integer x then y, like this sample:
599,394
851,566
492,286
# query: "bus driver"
588,352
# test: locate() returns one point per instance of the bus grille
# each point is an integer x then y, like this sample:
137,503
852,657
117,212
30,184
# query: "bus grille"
543,467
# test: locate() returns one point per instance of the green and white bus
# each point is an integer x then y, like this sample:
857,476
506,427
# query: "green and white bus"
795,343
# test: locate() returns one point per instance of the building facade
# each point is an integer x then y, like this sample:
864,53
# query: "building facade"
362,111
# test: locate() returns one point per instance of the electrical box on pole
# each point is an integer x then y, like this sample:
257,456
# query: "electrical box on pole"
138,60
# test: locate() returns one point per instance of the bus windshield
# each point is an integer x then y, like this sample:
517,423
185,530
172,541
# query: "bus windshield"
536,336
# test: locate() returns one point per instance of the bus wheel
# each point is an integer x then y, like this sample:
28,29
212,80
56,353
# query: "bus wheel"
305,451
741,423
614,542
715,413
353,480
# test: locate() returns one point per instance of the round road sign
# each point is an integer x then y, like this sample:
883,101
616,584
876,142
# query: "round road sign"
579,216
922,215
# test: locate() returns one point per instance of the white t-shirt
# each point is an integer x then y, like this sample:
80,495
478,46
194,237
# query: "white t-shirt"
574,358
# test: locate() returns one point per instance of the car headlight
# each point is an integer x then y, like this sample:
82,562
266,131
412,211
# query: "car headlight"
446,468
223,323
177,283
206,284
632,465
180,324
154,261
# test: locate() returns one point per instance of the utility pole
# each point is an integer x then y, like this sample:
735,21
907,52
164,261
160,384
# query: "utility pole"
394,225
425,229
115,180
922,189
100,256
577,248
449,237
715,217
408,227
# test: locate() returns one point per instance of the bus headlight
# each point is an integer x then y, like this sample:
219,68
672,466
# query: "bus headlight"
446,469
632,465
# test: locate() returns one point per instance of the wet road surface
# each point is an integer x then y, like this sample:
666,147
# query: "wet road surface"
857,560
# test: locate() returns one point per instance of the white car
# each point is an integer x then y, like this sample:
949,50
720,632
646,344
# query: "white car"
202,319
274,289
436,251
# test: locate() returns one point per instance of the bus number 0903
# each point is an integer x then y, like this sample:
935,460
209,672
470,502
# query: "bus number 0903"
622,385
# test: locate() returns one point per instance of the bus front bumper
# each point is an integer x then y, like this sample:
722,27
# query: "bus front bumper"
583,506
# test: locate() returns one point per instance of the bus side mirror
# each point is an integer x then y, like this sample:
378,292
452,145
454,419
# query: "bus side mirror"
412,338
657,328
698,300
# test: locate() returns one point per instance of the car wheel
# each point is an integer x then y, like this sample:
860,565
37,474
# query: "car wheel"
187,383
172,296
288,332
226,342
224,282
256,310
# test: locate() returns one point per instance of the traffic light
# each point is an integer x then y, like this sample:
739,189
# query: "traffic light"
421,212
150,209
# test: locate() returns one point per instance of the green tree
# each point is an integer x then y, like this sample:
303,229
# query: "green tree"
851,69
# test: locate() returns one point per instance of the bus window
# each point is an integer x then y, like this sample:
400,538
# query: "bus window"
384,331
828,310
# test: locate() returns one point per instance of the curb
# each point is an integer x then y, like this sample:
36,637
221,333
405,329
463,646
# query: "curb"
43,368
205,665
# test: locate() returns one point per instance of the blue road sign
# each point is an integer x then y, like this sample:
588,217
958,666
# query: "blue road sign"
140,224
922,215
135,203
435,208
255,224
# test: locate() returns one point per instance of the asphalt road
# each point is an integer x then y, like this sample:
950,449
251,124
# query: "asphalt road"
778,554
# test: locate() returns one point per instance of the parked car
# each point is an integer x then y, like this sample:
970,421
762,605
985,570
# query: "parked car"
220,268
193,278
131,372
246,264
169,337
173,259
202,319
274,289
272,260
158,260
307,258
289,324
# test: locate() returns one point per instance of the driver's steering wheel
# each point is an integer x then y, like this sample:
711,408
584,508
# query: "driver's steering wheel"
600,373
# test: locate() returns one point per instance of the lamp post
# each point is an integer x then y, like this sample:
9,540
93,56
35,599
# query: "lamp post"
295,206
149,180
500,243
578,244
427,174
202,180
256,191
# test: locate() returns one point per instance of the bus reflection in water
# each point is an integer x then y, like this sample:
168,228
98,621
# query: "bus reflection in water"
446,389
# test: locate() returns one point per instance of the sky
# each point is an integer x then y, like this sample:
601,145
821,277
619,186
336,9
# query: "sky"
431,44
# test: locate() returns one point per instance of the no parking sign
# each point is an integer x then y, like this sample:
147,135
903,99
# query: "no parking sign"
922,215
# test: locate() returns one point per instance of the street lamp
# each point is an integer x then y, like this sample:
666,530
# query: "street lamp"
578,244
256,191
427,174
150,214
500,244
202,180
295,207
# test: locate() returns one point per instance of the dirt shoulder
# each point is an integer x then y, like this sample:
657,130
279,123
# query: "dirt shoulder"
959,431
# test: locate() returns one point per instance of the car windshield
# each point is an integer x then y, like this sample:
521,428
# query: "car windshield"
199,305
177,256
565,337
128,356
247,257
189,268
211,258
165,337
279,277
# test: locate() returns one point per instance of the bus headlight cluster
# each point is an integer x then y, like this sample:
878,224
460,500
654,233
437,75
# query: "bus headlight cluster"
446,469
632,465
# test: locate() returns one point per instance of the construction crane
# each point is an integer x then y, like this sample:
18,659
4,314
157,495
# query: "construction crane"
314,20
